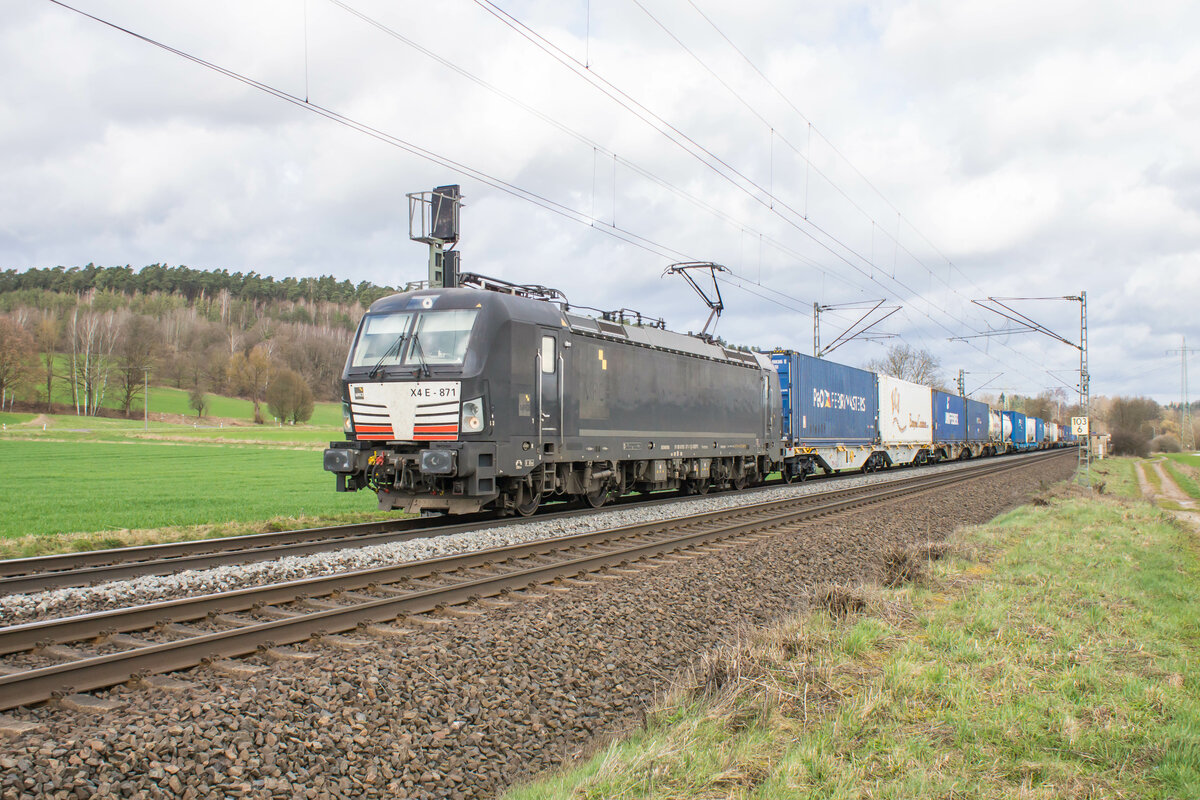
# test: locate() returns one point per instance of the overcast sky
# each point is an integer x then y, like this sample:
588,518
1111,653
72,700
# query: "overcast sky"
928,153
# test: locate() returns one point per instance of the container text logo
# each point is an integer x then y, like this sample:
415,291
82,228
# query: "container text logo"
823,398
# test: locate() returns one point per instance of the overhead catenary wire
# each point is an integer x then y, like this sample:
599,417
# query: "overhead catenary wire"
787,100
695,149
597,147
627,236
810,166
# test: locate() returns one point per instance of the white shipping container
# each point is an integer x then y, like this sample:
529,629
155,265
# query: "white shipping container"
1051,432
1030,430
994,425
905,412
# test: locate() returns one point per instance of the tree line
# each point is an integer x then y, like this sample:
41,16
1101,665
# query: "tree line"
281,344
189,283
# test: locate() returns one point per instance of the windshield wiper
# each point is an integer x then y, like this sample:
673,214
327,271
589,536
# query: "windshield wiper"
394,346
420,352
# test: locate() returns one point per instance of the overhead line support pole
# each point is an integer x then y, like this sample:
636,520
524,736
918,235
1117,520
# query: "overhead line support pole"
1187,437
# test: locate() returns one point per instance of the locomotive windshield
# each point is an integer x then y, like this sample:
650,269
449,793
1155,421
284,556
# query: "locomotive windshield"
414,338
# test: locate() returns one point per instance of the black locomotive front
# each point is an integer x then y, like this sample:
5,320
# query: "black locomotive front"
418,398
459,400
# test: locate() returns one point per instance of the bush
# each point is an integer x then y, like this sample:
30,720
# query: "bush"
1129,443
1166,443
289,398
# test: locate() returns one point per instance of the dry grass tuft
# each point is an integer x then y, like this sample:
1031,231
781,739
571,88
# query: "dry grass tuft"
839,601
900,567
932,551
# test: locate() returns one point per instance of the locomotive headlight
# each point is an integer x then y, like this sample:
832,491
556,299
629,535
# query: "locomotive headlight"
472,415
347,424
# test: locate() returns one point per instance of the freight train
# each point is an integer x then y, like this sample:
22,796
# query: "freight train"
496,397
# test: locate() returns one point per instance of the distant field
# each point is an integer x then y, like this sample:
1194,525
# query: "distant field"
1191,459
325,425
65,487
168,400
165,400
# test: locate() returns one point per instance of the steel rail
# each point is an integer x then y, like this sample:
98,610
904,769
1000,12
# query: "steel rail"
95,672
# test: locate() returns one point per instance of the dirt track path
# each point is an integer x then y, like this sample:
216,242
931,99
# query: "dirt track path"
1143,482
1187,507
1170,488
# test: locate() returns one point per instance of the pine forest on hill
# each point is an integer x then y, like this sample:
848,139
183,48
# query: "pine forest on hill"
86,340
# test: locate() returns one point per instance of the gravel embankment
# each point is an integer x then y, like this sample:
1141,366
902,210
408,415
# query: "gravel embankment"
465,709
19,608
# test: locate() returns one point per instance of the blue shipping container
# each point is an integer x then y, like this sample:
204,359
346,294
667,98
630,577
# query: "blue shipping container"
977,420
825,403
1041,429
949,417
1013,426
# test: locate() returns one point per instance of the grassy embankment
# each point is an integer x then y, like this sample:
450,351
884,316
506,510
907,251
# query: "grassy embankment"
1053,653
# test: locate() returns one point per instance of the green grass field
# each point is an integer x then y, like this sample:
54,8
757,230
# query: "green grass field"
1052,655
80,486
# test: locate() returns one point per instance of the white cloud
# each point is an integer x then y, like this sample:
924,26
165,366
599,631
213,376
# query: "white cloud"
1042,147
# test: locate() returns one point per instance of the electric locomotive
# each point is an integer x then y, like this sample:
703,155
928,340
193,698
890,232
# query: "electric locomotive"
498,397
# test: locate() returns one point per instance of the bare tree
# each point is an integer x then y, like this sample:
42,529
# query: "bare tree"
93,336
909,364
198,401
1042,406
46,337
250,374
16,357
136,350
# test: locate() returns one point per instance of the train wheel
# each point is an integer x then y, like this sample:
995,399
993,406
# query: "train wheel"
597,498
702,486
525,504
787,475
741,482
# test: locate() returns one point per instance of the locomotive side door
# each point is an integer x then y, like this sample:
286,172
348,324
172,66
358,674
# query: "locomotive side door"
550,387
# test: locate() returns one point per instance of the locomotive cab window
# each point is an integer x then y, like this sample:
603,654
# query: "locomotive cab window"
413,339
440,337
381,339
548,359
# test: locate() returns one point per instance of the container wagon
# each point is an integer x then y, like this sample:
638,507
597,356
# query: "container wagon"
829,416
905,421
979,418
949,426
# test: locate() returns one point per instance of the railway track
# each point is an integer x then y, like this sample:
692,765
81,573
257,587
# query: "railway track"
36,574
44,659
21,575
